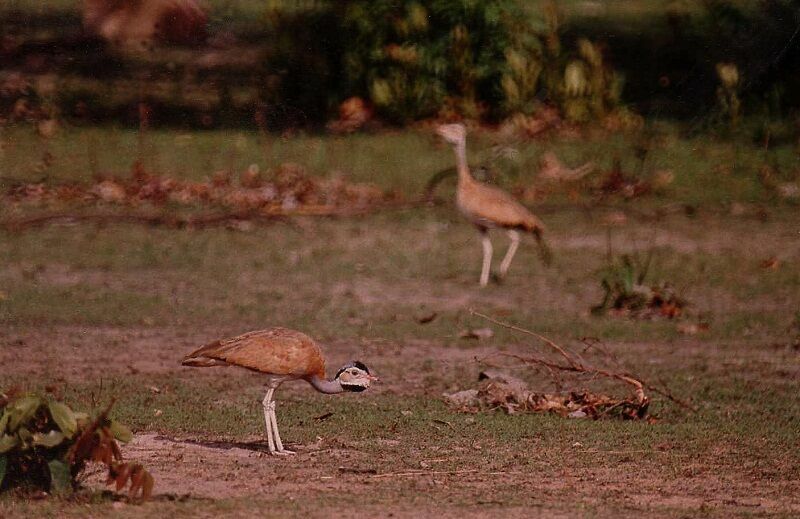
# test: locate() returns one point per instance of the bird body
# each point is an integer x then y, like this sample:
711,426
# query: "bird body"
282,355
488,207
274,351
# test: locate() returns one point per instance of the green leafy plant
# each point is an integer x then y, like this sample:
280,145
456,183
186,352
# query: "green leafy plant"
46,445
625,291
417,58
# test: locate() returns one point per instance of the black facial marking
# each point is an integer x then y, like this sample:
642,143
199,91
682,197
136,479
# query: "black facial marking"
353,387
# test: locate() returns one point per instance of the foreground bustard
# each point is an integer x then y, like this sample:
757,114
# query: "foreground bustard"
282,355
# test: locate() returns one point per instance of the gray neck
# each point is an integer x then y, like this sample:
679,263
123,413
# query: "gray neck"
461,161
330,387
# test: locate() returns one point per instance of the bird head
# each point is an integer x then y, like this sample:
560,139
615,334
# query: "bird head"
354,376
452,133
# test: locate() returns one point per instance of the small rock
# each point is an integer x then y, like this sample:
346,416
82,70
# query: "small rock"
577,414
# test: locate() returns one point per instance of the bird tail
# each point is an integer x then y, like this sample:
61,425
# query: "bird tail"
202,362
198,358
545,254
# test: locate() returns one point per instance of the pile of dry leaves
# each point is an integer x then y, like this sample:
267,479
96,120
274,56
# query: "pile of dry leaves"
497,390
289,189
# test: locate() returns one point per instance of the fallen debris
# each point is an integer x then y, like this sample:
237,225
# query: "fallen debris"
155,199
512,396
552,170
476,333
497,390
617,182
692,328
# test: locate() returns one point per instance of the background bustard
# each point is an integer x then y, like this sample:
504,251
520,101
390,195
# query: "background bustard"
489,207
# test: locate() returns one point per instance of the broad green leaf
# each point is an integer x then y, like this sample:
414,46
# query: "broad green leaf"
64,417
60,479
8,442
50,439
23,410
121,432
3,464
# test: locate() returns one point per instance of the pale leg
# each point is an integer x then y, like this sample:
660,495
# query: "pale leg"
487,259
278,442
512,249
266,404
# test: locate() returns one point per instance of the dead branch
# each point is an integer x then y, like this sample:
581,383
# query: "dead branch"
578,366
417,473
559,349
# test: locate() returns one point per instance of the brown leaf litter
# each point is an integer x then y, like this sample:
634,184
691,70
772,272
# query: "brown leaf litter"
499,391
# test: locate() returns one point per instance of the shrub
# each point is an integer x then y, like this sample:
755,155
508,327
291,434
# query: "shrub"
45,445
413,57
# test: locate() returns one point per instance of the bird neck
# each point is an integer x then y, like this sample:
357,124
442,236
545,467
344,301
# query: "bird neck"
330,387
461,162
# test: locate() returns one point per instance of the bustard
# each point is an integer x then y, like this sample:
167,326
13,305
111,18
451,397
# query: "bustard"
282,355
489,207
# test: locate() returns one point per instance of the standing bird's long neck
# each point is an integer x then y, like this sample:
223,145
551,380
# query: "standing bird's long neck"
329,387
460,149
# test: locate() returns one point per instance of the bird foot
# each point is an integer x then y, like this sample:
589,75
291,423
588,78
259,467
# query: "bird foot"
283,452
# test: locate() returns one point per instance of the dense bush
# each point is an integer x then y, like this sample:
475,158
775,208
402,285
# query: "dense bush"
411,58
45,445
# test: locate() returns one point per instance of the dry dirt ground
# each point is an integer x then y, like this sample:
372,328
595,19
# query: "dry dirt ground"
397,450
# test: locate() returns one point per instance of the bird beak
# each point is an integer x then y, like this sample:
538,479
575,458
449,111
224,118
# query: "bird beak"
373,378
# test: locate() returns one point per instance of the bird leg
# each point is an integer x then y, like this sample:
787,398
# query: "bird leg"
280,450
487,258
512,249
267,419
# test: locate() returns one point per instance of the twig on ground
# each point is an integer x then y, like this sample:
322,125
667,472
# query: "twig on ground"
435,473
578,366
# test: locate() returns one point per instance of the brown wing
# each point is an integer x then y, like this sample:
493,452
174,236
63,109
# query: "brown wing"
489,205
277,351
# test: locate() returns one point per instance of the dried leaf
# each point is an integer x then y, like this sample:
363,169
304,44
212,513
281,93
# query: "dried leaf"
426,318
147,486
137,478
123,473
477,333
115,450
772,263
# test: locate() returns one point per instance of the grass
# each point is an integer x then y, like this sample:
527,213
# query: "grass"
107,311
403,161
